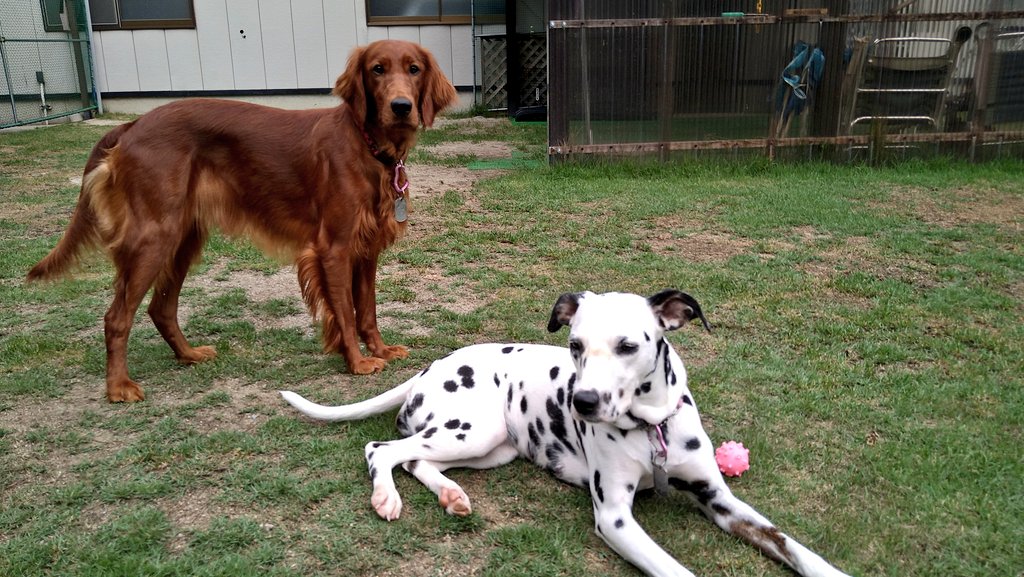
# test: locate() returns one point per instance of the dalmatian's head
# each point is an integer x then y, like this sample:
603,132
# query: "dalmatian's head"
616,342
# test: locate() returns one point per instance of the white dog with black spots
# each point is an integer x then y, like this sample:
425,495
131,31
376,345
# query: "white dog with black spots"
611,413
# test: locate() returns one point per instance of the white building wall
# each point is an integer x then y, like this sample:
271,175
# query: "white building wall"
262,45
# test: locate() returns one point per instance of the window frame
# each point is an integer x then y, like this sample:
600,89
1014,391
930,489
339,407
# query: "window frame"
372,20
147,24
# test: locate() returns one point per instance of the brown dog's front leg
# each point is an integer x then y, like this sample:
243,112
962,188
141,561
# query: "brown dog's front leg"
364,290
325,277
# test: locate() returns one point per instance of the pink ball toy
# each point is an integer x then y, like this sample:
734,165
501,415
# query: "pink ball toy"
732,458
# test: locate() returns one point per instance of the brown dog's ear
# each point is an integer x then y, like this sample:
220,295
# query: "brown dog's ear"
350,85
438,92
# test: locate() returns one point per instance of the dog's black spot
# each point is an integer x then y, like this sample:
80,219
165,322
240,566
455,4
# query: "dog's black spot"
373,473
423,372
645,387
554,372
369,457
375,445
497,381
612,438
582,428
506,350
522,404
430,417
534,436
466,372
599,531
698,489
453,424
451,386
630,487
412,466
647,337
606,398
622,393
619,523
553,451
466,426
414,403
572,381
557,424
461,436
427,447
420,427
429,432
540,425
598,490
509,402
402,423
721,509
693,444
687,400
521,385
560,395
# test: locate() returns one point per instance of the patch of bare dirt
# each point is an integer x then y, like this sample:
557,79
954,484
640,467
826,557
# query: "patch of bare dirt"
487,149
699,246
967,205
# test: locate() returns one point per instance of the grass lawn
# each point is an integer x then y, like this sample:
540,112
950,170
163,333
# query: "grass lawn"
867,349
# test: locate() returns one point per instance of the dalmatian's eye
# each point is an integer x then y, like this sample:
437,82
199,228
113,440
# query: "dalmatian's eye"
378,69
626,348
576,348
414,70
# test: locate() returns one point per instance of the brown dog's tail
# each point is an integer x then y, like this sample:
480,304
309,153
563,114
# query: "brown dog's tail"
313,284
84,230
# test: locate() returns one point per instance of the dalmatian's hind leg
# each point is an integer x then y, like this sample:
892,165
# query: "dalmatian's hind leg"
450,443
450,495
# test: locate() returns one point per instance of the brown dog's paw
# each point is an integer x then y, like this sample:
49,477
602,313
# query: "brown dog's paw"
367,365
197,355
393,352
126,391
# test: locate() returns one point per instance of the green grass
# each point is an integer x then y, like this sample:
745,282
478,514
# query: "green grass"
867,348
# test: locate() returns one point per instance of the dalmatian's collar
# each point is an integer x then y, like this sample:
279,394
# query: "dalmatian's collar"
659,454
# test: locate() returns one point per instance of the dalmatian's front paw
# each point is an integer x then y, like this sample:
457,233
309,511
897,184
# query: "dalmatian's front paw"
386,503
455,501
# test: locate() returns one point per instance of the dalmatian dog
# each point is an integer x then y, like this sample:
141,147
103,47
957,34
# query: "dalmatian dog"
611,413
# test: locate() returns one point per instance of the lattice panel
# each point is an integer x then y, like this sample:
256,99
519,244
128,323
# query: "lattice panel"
494,63
533,55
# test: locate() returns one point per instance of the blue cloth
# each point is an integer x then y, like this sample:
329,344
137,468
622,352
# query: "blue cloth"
802,75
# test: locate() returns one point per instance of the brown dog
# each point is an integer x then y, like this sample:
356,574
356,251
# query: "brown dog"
324,188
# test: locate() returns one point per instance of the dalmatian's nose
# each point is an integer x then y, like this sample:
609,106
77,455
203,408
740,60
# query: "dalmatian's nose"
586,402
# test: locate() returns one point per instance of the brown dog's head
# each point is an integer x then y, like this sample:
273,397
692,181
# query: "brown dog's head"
394,84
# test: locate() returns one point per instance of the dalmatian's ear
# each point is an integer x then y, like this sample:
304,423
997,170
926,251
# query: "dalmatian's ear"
675,308
564,310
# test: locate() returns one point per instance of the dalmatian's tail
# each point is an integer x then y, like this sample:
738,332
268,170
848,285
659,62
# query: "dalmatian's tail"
379,404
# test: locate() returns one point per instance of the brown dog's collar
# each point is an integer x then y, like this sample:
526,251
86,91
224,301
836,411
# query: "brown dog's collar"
377,153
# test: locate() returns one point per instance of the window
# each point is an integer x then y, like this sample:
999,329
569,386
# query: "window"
53,10
128,14
433,11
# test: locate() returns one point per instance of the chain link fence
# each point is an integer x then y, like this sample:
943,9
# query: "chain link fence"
46,61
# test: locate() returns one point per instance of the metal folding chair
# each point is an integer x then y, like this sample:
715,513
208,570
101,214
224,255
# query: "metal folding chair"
899,83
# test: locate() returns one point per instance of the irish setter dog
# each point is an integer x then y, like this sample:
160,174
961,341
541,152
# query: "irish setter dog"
325,189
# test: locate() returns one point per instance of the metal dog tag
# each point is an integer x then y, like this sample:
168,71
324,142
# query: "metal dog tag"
401,210
660,480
